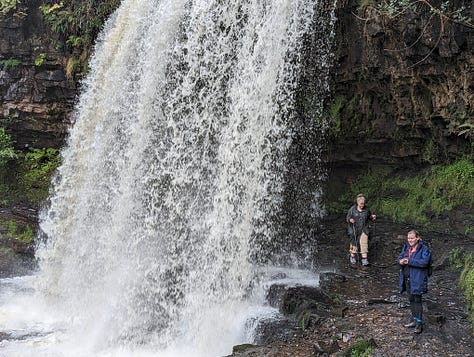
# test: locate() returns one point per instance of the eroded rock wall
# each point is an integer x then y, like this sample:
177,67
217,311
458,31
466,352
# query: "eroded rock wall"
36,96
402,86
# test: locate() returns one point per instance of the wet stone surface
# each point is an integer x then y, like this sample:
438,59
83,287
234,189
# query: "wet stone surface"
366,304
15,264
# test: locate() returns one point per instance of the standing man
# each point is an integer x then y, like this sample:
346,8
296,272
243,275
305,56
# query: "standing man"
358,218
414,261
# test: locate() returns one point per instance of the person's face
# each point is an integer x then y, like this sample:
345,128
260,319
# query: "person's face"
412,239
361,203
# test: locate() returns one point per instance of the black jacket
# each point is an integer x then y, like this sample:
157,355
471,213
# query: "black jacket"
362,220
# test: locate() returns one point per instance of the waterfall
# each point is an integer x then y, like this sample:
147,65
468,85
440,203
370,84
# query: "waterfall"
172,171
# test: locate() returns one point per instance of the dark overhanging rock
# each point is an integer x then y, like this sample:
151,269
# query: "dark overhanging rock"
302,307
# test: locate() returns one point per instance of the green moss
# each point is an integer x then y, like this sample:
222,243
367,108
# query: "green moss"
433,153
26,178
11,228
456,258
242,347
9,63
36,171
7,152
464,261
344,116
23,234
362,348
352,106
335,110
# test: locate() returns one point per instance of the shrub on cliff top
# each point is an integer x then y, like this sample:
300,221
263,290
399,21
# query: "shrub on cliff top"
77,24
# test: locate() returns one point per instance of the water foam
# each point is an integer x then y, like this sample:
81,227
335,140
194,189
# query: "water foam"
174,165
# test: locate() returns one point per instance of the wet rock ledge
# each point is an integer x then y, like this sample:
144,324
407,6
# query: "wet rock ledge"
362,305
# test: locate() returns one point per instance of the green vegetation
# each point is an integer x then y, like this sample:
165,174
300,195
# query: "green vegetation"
7,152
24,235
26,180
344,116
335,115
25,177
464,261
362,348
456,258
35,172
9,64
445,10
466,282
7,5
415,199
40,59
77,23
242,347
466,129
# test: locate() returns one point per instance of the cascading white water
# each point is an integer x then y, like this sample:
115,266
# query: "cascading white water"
175,162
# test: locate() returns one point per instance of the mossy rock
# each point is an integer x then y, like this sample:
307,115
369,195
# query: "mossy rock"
242,347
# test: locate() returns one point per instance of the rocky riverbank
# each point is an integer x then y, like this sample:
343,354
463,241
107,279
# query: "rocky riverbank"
354,304
366,305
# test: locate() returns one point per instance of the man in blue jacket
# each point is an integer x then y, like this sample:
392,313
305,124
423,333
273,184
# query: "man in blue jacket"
414,260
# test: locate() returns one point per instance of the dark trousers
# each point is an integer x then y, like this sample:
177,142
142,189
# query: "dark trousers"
416,307
416,304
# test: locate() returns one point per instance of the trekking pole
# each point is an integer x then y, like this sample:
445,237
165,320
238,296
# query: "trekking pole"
356,243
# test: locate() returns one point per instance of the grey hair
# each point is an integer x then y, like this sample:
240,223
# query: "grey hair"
360,197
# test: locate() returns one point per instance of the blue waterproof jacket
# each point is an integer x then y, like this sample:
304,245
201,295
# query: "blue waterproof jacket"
417,269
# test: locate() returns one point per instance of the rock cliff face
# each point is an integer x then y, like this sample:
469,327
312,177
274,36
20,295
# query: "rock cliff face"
36,96
402,86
